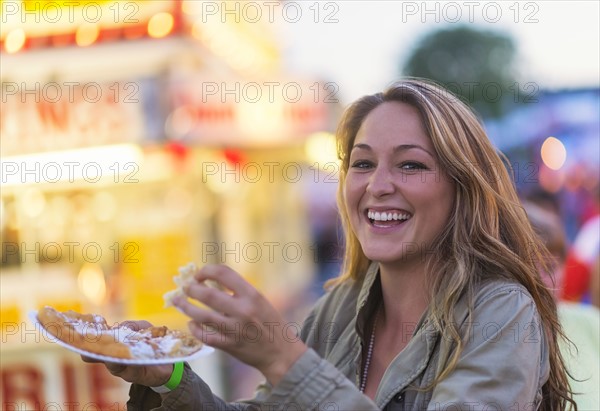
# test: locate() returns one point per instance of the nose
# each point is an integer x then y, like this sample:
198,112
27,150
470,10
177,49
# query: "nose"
381,182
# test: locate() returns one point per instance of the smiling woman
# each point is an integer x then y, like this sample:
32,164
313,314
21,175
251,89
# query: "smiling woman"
418,151
440,304
393,171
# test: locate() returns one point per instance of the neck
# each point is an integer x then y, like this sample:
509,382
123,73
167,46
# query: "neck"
405,296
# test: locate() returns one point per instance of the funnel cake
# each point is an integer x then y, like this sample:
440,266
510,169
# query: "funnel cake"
91,333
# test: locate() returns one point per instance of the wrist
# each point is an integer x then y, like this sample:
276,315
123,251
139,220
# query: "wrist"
275,372
173,381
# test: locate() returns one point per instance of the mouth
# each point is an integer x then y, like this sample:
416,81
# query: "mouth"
387,218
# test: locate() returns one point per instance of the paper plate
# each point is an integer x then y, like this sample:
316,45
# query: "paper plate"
205,350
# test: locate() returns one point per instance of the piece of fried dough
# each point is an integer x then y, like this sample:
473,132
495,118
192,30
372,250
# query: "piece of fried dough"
91,333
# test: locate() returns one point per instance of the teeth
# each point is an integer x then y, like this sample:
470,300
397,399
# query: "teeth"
377,216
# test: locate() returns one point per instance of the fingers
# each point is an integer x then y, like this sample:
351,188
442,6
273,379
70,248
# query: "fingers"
226,277
197,313
225,311
238,319
152,375
215,334
90,360
237,299
116,369
216,299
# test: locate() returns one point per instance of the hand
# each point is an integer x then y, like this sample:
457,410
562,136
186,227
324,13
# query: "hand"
240,321
151,376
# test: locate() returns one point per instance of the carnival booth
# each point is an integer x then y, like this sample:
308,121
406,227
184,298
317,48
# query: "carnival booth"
136,137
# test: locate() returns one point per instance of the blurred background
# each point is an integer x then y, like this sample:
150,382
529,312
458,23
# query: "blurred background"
137,136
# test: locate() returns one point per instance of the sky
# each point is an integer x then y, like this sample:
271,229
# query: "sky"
360,45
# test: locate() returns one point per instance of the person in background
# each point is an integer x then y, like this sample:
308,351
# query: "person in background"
582,261
439,306
581,322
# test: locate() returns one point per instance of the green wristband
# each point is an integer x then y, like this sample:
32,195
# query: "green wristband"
174,380
176,376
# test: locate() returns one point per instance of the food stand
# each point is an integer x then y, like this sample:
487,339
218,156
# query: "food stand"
122,160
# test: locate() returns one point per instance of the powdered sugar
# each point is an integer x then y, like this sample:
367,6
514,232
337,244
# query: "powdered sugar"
145,349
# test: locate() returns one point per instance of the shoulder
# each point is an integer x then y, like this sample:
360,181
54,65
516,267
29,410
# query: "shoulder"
511,295
501,305
503,340
506,319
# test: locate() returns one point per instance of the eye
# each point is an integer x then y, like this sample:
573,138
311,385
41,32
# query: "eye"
413,166
362,164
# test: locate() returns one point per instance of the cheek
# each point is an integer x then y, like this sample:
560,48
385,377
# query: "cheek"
352,195
441,200
427,190
351,191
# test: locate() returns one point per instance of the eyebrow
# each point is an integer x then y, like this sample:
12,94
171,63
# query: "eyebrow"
402,147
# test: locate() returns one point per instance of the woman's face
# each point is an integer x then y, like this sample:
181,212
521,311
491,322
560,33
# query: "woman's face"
397,197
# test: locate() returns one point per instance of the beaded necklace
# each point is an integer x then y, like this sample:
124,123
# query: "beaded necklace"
363,382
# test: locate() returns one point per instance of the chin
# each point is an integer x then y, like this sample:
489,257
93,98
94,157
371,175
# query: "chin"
384,257
408,253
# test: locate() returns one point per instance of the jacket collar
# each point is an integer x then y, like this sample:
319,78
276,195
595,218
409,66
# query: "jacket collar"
369,298
413,359
410,363
371,275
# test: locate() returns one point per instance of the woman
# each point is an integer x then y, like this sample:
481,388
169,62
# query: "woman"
439,305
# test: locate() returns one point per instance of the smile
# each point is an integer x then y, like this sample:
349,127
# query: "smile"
389,217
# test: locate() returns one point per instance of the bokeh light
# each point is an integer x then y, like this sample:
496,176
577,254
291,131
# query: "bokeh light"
554,153
91,282
15,40
160,25
87,34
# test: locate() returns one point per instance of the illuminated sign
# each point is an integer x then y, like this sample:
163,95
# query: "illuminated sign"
35,23
37,117
248,113
43,378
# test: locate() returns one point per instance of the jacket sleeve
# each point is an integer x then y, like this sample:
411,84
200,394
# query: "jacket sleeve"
311,384
505,358
191,394
314,384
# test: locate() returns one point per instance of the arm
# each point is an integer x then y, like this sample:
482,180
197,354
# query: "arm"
315,384
191,394
311,384
298,378
505,359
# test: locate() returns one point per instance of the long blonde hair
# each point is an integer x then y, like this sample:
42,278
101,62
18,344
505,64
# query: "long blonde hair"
488,234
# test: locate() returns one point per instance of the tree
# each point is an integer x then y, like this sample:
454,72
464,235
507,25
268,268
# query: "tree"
476,65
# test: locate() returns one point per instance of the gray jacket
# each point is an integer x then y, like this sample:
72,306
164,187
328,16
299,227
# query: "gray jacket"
503,365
